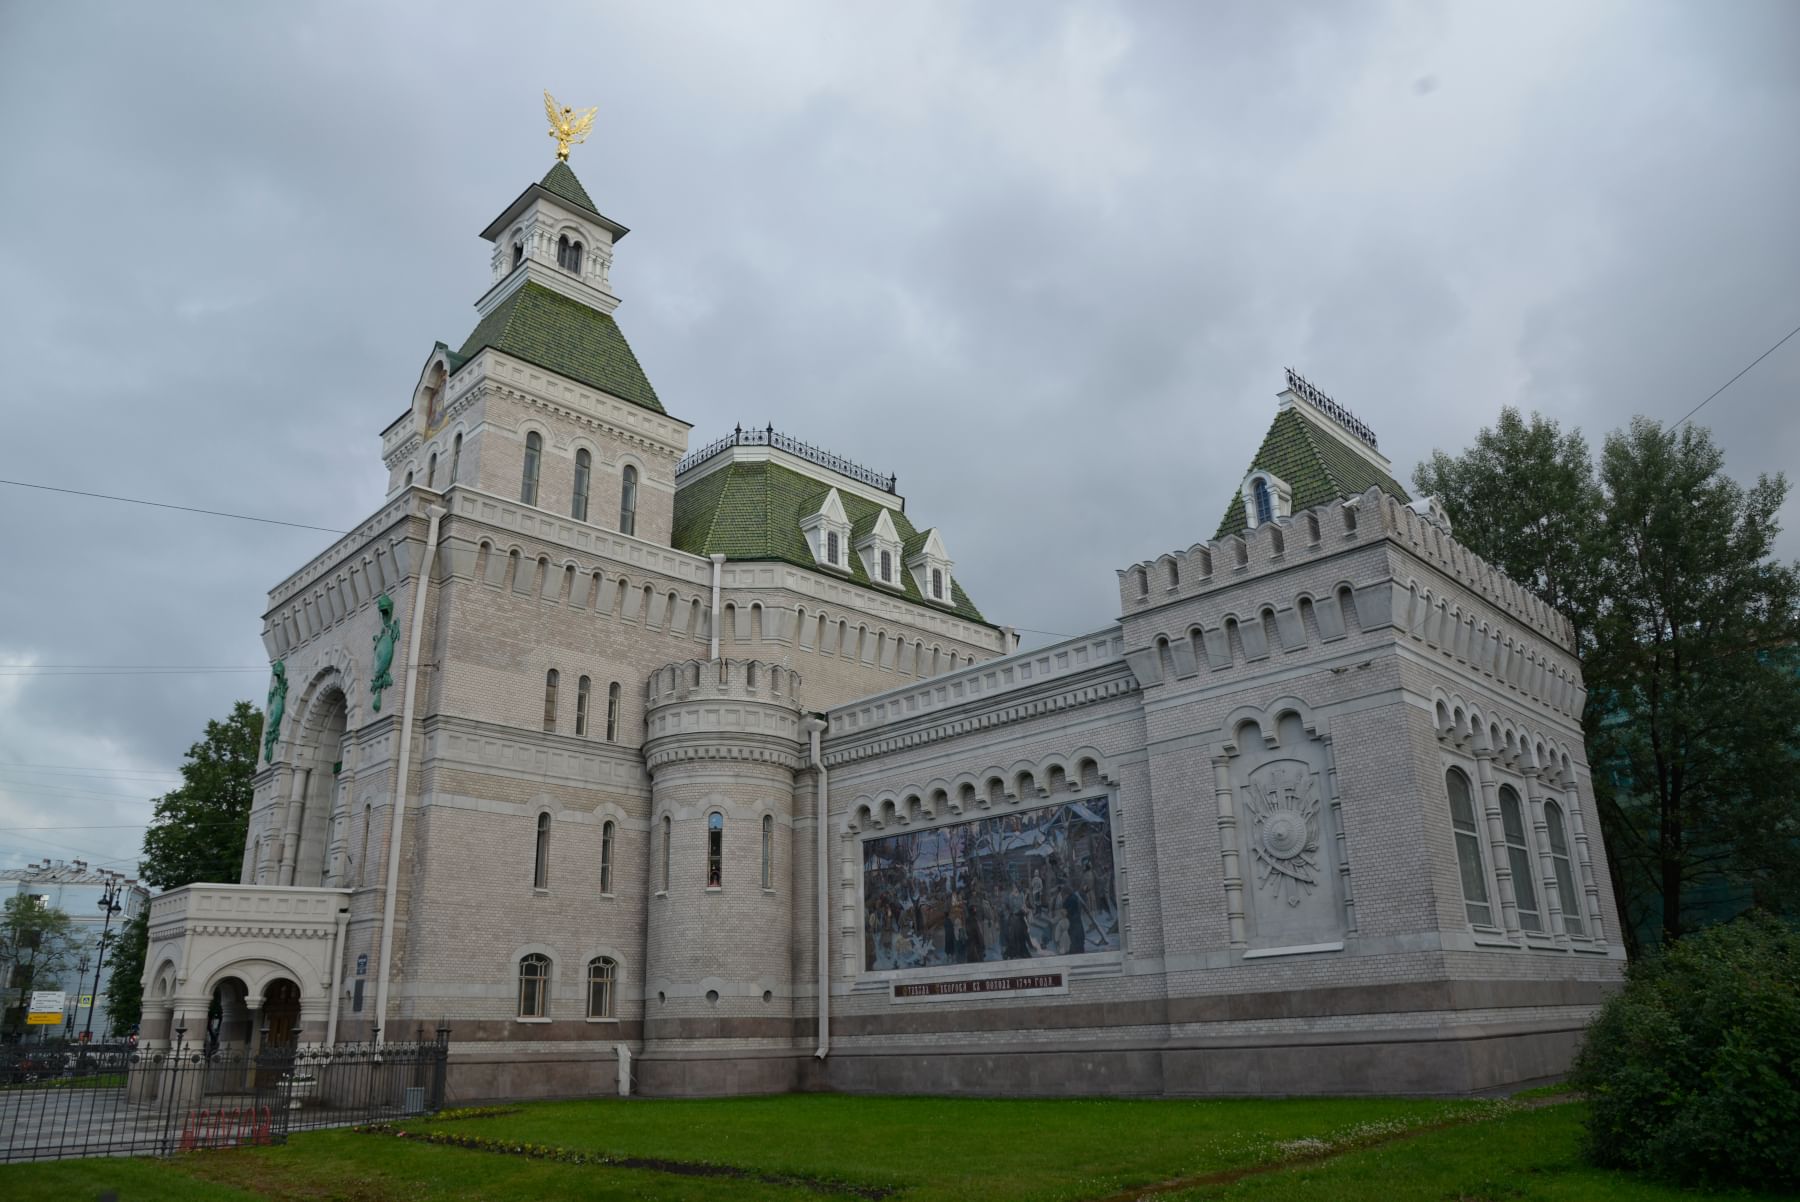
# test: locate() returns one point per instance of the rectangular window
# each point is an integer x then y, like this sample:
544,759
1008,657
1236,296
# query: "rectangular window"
606,857
581,706
600,988
715,850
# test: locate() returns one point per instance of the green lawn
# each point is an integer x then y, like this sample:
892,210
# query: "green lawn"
814,1146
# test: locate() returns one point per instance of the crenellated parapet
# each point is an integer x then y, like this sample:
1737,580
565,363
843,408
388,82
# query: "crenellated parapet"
722,709
1325,530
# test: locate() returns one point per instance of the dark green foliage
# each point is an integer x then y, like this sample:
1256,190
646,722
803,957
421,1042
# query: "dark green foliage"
197,831
1693,1072
125,987
37,945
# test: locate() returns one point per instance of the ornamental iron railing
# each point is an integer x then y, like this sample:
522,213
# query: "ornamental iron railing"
770,437
1336,412
59,1101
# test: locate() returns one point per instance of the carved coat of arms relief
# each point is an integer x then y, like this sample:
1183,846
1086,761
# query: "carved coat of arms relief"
1283,804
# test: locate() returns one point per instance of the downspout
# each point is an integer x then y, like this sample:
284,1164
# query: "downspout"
718,565
814,725
337,974
398,824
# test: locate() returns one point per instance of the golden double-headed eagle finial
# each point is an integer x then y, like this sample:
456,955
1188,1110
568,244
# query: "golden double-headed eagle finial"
567,126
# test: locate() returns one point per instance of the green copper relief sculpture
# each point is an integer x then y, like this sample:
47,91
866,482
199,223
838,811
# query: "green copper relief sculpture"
385,639
274,709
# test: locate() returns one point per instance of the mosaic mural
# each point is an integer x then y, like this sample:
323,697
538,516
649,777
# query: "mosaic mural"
1016,886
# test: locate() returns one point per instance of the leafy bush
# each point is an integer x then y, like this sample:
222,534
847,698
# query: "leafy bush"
1693,1071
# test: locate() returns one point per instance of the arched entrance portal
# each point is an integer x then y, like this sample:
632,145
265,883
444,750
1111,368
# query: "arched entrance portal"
281,1013
319,765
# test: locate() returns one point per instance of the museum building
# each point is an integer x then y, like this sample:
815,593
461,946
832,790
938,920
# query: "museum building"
702,770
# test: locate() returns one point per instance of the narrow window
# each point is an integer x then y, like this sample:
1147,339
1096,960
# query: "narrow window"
584,463
1265,508
550,701
562,251
887,567
534,985
600,987
715,850
606,856
534,450
455,457
518,253
612,712
628,500
362,858
431,471
540,860
582,688
937,584
831,547
575,257
409,476
1468,848
768,851
1565,875
1518,858
666,832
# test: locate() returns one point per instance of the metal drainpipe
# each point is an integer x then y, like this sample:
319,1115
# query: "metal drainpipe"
337,974
435,513
718,564
814,725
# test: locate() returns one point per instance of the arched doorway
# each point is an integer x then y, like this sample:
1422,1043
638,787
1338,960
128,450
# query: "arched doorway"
281,1013
319,760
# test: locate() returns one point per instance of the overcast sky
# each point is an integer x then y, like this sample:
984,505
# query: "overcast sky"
1044,262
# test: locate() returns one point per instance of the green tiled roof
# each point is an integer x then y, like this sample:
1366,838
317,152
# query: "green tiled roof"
1314,463
561,182
754,510
566,337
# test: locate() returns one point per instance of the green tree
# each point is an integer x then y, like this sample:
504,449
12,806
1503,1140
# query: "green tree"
197,830
1695,646
125,987
1524,498
37,946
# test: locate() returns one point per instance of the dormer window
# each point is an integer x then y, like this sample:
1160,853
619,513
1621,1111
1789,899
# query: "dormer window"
1267,498
827,531
932,570
937,584
568,255
887,567
879,547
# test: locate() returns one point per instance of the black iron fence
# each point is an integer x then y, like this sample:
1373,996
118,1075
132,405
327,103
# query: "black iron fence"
59,1101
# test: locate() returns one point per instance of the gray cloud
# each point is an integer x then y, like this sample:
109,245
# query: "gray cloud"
1044,262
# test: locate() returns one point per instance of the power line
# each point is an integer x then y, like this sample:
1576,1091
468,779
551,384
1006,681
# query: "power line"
31,670
217,513
1734,379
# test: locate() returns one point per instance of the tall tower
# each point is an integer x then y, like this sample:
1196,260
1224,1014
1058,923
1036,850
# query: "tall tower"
723,746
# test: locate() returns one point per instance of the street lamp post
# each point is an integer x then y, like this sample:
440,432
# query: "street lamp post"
109,905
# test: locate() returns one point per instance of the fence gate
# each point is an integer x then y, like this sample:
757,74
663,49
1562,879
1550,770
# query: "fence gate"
67,1100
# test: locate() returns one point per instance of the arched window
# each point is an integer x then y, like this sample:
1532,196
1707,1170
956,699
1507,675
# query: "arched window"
550,701
584,464
1565,873
1468,848
582,687
455,458
715,850
768,851
831,547
937,584
667,831
409,476
534,985
518,253
606,855
431,471
534,452
601,971
540,859
575,257
887,567
1518,858
628,500
1265,508
612,712
562,251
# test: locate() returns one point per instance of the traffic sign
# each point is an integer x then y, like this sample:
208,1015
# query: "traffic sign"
46,1007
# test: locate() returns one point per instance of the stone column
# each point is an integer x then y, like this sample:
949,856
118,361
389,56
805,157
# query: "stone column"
290,838
1228,847
1571,798
1490,805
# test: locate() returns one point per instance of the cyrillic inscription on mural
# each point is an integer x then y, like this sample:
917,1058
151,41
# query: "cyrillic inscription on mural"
1016,886
1032,981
